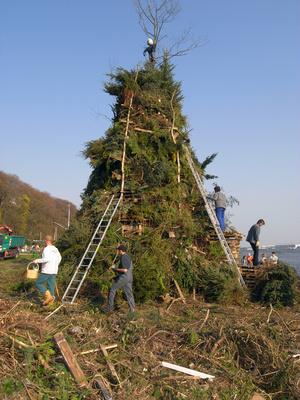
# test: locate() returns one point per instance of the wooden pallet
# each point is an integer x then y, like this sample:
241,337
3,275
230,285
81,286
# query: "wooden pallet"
233,240
251,274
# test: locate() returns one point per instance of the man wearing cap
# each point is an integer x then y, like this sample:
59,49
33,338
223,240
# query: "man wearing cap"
123,280
50,261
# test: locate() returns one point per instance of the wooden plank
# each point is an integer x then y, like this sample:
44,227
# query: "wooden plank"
109,363
70,359
142,130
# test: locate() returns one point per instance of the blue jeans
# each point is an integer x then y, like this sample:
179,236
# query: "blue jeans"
220,212
49,279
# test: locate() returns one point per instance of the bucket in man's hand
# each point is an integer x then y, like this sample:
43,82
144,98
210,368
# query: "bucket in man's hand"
33,272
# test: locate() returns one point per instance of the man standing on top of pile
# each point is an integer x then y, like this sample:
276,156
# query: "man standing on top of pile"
220,204
50,261
253,239
150,50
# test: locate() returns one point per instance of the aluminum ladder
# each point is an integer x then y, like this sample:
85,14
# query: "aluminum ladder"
90,252
212,215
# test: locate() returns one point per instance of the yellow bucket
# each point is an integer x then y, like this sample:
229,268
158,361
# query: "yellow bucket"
32,273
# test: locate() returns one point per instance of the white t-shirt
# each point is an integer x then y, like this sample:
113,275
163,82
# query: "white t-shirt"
273,259
50,260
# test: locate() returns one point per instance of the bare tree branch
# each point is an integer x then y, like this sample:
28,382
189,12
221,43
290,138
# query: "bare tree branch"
153,17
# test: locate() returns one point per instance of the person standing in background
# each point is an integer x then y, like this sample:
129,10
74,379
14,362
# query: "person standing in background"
253,239
273,258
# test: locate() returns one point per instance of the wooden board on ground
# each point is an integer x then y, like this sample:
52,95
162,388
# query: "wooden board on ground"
70,359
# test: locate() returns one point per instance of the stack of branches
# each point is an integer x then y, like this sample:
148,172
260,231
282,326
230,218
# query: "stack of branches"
254,353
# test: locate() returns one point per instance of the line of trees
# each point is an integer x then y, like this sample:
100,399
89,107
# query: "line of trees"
30,212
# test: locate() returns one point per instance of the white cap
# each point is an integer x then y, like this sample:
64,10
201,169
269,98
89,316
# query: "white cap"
150,41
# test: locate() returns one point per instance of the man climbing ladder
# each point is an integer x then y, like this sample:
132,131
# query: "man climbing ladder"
213,217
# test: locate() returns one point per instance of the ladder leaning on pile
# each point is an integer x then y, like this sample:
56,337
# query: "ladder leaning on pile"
213,218
90,252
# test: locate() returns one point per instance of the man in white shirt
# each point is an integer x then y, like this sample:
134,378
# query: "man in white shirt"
50,261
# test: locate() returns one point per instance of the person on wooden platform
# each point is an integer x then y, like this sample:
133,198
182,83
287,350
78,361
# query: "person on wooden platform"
220,204
273,258
264,259
253,239
249,259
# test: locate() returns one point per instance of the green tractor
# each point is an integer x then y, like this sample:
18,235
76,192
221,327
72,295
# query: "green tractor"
10,245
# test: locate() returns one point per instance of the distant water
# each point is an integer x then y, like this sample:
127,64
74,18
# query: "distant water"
284,253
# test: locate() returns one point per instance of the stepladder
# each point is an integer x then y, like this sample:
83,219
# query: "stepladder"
212,215
91,251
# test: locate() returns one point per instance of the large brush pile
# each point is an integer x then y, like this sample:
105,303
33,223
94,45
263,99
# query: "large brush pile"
247,348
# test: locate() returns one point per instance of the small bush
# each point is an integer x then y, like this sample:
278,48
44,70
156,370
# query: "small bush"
218,282
278,286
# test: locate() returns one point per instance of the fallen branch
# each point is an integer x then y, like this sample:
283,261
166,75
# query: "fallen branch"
16,340
10,310
197,322
101,385
179,291
54,311
156,333
95,350
271,309
109,363
44,362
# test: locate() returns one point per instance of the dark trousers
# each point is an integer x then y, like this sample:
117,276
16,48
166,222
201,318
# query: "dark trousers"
255,253
127,289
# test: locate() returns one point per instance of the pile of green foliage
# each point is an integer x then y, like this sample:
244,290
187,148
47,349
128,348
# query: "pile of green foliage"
148,122
278,286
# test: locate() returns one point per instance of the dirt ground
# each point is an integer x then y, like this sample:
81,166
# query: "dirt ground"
249,351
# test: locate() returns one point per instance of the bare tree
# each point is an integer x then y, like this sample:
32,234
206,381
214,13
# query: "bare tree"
153,17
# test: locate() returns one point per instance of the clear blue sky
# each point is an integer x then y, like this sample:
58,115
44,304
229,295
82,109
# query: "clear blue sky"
242,96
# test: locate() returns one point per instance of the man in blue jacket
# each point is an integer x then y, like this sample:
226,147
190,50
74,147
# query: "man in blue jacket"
253,239
123,280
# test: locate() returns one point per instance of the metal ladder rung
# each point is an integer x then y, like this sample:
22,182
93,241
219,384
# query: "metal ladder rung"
212,216
93,246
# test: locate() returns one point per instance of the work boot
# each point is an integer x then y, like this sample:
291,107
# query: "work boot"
50,302
48,298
